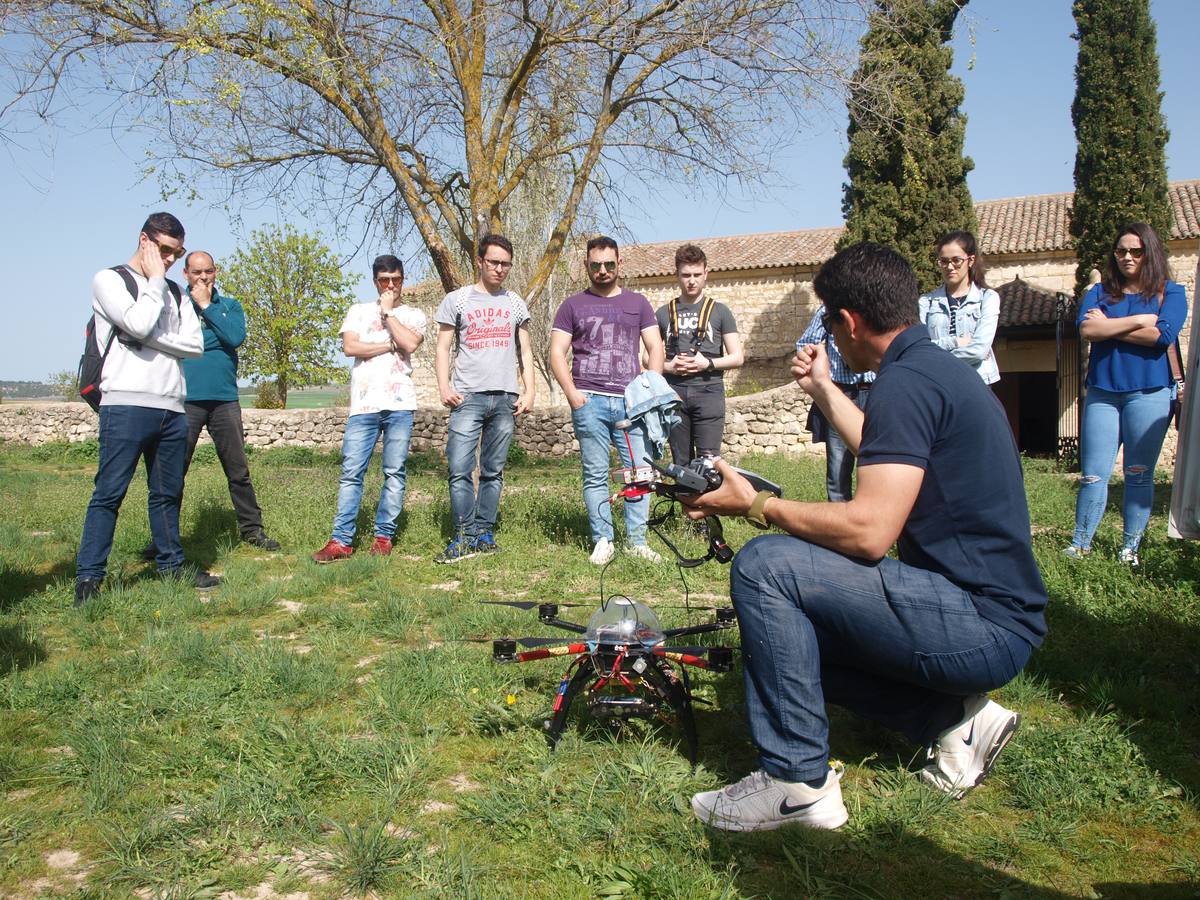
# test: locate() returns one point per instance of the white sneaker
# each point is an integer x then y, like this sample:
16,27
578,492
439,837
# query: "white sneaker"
964,755
602,552
643,551
761,802
1128,556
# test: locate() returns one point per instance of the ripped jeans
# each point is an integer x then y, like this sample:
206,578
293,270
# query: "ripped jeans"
1138,420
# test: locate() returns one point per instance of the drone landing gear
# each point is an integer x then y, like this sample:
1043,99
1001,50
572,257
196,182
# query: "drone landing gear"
664,687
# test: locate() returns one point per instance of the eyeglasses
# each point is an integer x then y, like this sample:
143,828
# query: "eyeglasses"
498,264
390,279
1135,252
951,262
827,320
609,265
169,252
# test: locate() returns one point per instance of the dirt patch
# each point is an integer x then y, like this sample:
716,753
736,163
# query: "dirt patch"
21,794
62,859
461,783
263,891
435,806
366,661
300,649
449,586
292,606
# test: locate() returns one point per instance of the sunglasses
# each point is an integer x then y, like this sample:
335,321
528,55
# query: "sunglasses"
827,320
1135,252
168,252
390,279
609,265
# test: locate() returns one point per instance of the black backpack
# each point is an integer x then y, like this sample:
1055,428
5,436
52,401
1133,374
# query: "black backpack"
91,363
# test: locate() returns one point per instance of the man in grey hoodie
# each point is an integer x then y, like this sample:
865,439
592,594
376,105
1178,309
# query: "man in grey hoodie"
141,409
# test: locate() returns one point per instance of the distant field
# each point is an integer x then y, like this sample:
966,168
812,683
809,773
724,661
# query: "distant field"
302,398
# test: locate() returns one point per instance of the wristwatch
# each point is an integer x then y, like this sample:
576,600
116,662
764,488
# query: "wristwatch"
712,366
756,515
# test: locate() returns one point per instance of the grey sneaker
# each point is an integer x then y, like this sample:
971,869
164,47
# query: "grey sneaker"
761,802
964,755
1074,552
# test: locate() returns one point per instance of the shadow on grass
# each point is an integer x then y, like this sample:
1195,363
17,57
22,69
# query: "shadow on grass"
799,862
19,649
1143,666
18,584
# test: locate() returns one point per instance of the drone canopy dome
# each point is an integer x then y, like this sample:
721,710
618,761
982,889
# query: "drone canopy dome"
624,621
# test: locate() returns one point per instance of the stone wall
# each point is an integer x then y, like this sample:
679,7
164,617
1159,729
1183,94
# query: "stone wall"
768,422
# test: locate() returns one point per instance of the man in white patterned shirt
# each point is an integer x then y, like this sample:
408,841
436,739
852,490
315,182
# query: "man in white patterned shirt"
380,337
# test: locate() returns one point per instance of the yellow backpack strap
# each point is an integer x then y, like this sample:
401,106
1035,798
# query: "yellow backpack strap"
706,309
673,315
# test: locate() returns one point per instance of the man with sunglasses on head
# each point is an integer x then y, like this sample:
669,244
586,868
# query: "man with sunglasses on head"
212,394
605,327
142,405
488,327
380,336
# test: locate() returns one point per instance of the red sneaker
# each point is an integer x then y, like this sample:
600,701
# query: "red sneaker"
332,552
382,546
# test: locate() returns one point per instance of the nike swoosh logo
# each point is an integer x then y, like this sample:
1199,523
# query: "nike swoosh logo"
786,809
970,736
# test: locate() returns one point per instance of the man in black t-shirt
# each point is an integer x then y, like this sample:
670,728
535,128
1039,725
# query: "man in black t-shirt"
702,343
915,642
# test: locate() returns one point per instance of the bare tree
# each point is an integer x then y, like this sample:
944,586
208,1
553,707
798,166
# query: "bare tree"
432,114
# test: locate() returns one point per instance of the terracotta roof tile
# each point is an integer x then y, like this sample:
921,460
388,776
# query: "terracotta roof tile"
1032,224
1022,304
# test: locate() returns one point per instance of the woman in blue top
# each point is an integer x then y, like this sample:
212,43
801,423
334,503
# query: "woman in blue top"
1131,319
963,313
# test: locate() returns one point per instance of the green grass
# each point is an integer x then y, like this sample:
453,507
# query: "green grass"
301,398
323,729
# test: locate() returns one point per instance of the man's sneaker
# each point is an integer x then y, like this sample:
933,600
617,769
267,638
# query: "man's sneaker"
1074,552
1128,556
643,551
198,578
457,550
485,543
85,590
964,755
260,540
382,546
761,802
150,552
332,552
602,552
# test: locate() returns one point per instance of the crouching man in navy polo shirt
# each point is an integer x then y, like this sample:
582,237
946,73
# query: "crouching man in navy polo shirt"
914,643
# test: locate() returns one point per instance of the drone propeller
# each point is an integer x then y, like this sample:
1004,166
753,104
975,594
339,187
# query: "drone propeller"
530,642
527,604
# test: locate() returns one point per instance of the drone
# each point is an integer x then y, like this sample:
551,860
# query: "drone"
621,662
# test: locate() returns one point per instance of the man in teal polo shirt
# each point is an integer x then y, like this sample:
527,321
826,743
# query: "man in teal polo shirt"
212,397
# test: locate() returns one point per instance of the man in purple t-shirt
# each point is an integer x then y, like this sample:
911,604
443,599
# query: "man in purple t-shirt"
605,328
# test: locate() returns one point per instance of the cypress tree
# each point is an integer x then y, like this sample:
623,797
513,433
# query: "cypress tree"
1120,132
908,175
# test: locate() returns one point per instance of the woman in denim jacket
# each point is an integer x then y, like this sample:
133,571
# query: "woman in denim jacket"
1132,319
963,313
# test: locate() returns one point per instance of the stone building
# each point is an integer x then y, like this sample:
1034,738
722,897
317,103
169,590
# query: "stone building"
766,279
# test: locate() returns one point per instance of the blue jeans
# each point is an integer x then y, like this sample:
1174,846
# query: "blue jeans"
481,428
839,461
594,430
888,641
127,434
1138,420
358,443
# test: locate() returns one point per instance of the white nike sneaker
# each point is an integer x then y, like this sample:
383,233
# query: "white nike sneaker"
964,755
643,551
761,802
602,552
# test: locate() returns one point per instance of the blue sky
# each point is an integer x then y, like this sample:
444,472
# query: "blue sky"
76,209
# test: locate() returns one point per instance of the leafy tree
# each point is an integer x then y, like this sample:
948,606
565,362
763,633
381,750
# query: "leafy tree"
1120,132
430,115
295,297
908,175
65,384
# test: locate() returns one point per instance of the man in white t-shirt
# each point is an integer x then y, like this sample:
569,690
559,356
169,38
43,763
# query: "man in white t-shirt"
490,326
380,337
